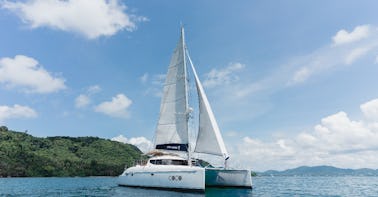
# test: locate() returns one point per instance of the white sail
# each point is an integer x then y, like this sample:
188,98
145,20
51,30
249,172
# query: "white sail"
172,129
209,139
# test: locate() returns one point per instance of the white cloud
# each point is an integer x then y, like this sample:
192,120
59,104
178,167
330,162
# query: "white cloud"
82,101
226,75
144,78
155,84
158,79
362,41
141,142
359,32
94,89
17,111
26,73
117,107
356,54
301,75
336,140
91,18
370,109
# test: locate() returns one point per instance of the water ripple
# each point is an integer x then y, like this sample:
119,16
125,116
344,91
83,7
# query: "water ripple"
351,186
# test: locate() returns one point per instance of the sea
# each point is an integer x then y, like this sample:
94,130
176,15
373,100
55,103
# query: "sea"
349,186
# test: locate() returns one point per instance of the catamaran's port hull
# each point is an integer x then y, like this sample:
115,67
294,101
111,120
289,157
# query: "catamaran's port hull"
228,178
183,178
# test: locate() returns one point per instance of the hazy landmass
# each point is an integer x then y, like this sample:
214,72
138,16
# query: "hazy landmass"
320,171
22,155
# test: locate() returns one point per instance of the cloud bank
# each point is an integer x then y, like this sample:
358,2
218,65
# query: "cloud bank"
337,140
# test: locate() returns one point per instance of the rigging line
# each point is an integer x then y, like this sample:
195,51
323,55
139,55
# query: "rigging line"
191,63
193,128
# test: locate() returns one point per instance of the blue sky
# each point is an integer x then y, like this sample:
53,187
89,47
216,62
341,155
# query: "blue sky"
290,82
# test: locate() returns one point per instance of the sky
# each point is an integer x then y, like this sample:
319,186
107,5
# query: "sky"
291,83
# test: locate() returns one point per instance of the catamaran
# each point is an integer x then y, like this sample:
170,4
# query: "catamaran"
172,165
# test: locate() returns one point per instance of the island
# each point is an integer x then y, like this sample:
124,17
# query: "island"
23,155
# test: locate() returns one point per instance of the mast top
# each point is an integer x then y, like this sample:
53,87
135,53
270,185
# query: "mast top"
182,35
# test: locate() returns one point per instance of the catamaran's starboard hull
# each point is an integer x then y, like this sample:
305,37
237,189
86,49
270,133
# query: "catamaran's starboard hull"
228,178
182,178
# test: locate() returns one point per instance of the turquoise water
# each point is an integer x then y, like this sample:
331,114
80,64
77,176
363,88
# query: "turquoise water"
263,186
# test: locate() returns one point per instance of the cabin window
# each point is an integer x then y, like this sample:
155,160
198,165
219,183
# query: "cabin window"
166,162
180,162
156,162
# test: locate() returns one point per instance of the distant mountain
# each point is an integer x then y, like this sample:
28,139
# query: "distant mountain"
320,171
22,155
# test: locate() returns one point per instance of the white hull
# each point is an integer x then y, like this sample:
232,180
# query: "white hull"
173,177
228,178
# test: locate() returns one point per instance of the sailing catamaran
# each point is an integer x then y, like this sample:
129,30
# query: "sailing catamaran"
172,165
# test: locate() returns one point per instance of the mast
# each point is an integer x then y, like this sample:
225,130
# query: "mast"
186,91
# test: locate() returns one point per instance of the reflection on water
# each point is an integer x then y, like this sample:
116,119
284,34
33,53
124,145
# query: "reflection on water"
126,191
131,191
228,192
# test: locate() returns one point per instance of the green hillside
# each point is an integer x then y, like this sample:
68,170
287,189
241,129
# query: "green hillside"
22,155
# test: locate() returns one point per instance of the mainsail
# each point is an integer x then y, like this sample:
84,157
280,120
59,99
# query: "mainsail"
172,128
